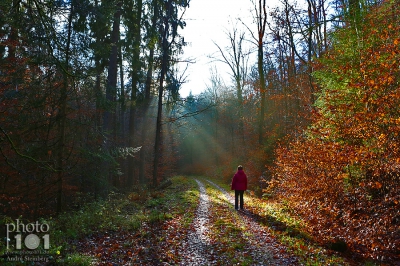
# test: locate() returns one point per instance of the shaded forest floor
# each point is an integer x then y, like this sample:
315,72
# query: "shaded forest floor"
191,222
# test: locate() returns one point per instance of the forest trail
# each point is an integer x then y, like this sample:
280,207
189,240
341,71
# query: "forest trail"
191,222
259,245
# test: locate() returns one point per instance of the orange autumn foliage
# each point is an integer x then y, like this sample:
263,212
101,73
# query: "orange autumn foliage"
343,175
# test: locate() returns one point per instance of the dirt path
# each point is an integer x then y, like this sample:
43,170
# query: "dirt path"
262,247
196,249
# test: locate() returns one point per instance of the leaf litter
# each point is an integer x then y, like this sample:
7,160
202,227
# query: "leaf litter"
175,241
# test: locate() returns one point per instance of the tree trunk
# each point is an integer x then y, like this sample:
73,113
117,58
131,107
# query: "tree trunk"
262,20
157,144
135,81
62,118
109,114
146,104
164,68
112,70
145,108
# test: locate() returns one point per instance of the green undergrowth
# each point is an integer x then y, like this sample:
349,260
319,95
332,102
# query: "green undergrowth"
129,212
289,229
118,213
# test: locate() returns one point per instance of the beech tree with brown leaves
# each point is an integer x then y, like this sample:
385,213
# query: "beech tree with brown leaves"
344,174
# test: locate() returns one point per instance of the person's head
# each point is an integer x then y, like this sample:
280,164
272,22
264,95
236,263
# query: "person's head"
240,167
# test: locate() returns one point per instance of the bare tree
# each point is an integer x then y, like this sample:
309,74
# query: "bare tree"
237,60
260,18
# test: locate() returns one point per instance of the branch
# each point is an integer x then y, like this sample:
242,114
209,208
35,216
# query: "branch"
226,61
45,164
190,114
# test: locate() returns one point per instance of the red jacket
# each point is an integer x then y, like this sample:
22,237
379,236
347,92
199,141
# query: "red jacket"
239,181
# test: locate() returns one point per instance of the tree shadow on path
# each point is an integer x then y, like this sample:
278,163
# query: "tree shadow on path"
262,240
282,228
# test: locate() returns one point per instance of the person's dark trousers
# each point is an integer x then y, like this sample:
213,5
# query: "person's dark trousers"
237,194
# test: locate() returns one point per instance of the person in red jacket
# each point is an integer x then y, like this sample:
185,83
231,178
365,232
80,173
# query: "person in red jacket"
239,184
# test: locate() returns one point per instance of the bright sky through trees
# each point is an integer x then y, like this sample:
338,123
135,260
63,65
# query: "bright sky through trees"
208,21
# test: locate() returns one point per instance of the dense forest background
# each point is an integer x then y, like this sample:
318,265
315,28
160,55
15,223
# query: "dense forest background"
89,103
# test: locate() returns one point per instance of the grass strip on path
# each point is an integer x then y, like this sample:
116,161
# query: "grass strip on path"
256,242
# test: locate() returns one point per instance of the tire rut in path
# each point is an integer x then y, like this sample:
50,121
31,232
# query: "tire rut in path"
264,248
195,250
